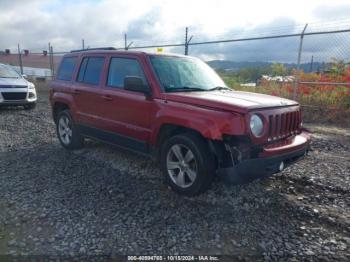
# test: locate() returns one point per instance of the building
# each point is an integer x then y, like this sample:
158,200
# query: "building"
34,65
280,79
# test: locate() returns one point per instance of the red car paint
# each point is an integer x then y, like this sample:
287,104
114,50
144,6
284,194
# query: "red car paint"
213,114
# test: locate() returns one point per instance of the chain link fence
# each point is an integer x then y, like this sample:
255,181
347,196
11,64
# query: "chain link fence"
37,65
309,63
324,84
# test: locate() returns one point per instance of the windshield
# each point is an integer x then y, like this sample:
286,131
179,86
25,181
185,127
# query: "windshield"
177,74
8,72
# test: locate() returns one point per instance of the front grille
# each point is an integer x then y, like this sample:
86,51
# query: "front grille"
14,96
12,86
283,125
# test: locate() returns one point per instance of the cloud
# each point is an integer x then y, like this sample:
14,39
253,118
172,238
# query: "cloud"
257,50
332,11
64,23
7,4
35,24
320,47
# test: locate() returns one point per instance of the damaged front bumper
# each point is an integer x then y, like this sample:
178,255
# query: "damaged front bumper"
270,161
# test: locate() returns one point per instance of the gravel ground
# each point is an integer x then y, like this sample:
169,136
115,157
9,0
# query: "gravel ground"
104,201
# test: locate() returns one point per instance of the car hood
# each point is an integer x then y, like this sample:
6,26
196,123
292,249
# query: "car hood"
13,82
230,100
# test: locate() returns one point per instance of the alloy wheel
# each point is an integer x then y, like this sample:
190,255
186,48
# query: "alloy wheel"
182,165
65,130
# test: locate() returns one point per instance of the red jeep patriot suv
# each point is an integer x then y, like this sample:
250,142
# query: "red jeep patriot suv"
177,110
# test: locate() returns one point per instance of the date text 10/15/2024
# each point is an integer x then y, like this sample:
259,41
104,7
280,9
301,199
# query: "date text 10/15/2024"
173,258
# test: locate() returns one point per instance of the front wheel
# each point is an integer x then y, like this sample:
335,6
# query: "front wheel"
67,132
187,164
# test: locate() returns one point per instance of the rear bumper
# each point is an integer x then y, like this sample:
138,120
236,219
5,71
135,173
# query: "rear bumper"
269,162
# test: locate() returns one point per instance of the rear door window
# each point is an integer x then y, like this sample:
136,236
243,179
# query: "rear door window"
91,70
66,70
119,68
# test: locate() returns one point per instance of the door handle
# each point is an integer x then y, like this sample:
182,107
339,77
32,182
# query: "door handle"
107,97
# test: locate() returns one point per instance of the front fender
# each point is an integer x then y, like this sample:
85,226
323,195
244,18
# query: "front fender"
210,123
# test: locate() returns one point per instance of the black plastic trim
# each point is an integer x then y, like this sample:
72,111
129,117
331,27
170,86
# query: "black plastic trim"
250,169
115,139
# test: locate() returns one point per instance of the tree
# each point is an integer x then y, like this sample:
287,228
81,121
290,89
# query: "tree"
337,68
278,69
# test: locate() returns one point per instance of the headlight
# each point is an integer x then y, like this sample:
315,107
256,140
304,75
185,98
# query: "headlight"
256,125
31,85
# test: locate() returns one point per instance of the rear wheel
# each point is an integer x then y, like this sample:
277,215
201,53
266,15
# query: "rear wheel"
67,132
187,164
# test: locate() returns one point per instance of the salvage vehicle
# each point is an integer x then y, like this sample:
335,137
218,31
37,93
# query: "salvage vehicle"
15,90
177,110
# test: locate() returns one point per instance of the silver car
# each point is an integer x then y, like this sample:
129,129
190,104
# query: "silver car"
15,89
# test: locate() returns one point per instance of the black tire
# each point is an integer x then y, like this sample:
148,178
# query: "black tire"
205,163
76,140
30,106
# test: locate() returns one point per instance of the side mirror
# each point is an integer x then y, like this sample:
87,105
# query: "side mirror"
134,83
24,76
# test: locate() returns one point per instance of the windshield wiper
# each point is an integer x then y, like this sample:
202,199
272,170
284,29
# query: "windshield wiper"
184,88
219,88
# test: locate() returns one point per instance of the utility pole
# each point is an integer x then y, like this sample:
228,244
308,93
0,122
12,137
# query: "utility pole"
186,45
187,41
311,64
20,60
51,60
83,43
296,82
126,45
53,66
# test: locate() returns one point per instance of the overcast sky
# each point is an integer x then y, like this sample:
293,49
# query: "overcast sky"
65,23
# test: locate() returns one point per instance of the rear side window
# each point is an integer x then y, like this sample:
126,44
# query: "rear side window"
119,68
65,72
90,70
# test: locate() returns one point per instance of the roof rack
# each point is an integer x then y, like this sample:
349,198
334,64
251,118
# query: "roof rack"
90,49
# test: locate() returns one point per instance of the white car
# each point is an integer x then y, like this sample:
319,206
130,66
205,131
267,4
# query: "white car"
15,89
